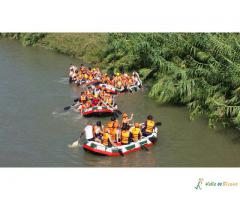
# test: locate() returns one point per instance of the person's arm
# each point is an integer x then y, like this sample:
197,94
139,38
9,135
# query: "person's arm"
130,119
111,142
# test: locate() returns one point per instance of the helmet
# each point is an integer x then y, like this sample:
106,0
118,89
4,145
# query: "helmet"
98,123
149,117
113,118
137,125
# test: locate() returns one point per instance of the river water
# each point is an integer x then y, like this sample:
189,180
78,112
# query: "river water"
35,131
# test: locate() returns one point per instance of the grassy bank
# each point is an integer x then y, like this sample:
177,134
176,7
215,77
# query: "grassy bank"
200,70
85,46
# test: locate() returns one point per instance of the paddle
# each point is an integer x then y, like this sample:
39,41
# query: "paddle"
77,142
74,144
115,110
144,147
158,123
69,107
120,152
76,100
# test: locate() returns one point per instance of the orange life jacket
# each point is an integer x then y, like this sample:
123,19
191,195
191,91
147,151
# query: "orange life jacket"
150,125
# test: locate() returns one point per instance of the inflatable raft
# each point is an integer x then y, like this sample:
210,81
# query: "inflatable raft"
108,88
87,82
98,111
100,149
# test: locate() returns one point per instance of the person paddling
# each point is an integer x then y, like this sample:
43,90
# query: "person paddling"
98,131
88,132
148,126
136,132
126,136
106,139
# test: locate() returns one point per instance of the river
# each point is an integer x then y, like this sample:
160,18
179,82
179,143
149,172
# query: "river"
35,131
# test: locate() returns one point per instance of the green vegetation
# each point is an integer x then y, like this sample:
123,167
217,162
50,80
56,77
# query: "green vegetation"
200,70
85,46
27,39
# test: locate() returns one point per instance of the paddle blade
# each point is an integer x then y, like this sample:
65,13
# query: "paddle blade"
144,148
158,123
76,100
120,152
67,108
74,144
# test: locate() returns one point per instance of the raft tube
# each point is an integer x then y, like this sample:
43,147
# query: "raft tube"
97,111
100,149
108,88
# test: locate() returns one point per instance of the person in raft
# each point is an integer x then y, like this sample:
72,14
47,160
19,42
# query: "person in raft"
88,132
126,135
136,132
106,138
98,131
126,120
113,127
71,72
148,126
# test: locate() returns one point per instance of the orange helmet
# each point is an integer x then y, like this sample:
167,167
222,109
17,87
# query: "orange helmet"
137,125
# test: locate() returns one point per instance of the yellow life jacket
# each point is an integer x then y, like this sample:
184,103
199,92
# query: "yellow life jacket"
105,139
135,131
83,98
150,126
125,137
85,76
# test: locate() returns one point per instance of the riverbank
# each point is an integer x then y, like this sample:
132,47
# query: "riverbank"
85,46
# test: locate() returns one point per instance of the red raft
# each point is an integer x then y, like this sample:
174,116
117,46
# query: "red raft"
98,111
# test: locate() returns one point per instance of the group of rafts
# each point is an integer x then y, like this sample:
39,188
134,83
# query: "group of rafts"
115,138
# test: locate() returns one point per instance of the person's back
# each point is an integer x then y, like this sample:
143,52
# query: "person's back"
89,132
136,132
126,136
98,131
149,126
